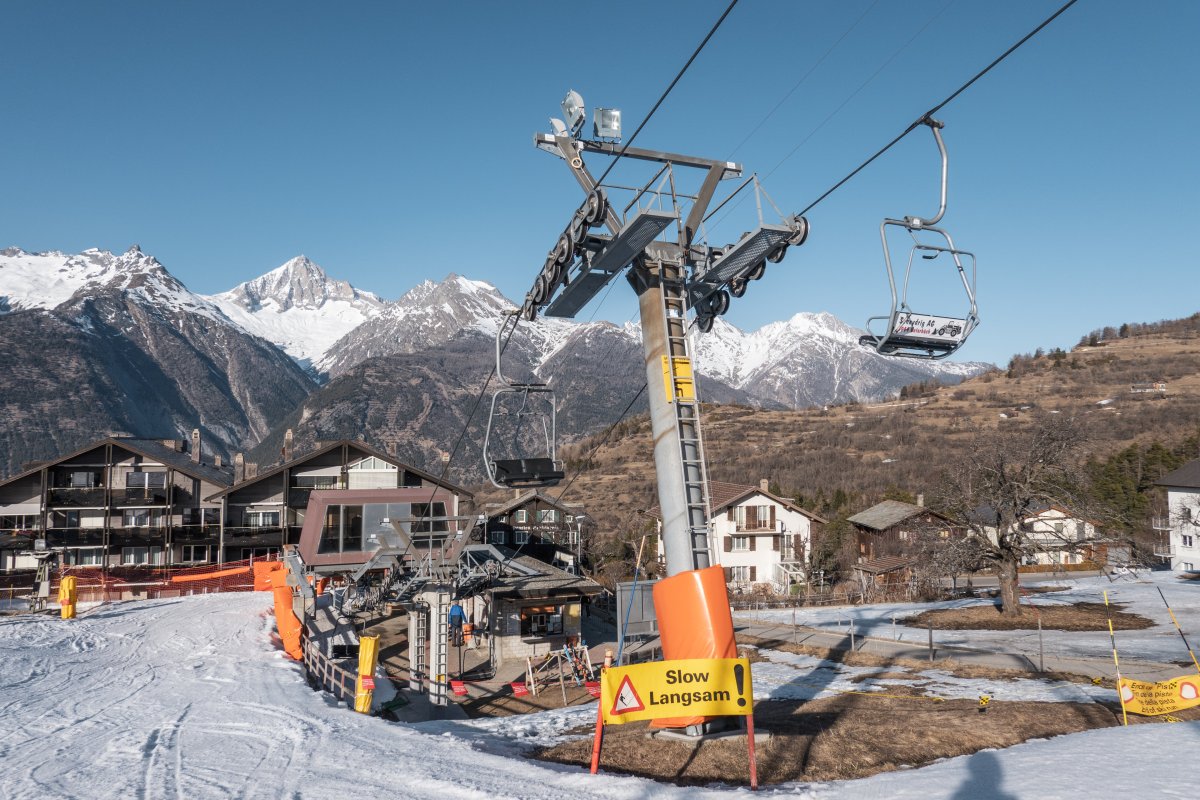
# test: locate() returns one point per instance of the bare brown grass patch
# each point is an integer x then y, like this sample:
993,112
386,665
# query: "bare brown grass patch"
1073,617
836,738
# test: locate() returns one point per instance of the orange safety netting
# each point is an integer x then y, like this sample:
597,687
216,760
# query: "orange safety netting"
142,583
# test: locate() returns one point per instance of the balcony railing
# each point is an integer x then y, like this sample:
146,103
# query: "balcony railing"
76,497
1161,523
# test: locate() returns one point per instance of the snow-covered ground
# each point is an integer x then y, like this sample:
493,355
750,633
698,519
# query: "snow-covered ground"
1136,594
190,698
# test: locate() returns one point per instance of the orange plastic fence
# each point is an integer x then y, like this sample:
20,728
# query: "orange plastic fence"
208,576
287,622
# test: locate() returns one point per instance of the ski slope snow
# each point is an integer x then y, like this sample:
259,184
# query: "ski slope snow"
190,698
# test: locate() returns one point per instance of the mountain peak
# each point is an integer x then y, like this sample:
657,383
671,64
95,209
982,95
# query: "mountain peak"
297,283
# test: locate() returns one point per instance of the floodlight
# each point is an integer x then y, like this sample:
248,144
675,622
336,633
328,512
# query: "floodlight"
573,111
558,127
606,123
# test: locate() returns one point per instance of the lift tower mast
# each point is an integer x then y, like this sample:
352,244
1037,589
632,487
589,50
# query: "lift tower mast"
670,276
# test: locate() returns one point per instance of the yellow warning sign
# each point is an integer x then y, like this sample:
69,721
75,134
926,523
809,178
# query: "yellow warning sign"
716,687
1152,699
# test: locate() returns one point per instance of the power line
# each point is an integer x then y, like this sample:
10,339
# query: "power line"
663,97
939,106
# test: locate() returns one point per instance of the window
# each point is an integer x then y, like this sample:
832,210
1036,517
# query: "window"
741,543
1188,540
142,518
342,531
548,515
520,536
262,519
1058,528
133,556
316,481
1185,514
570,519
755,518
146,480
497,536
421,513
542,621
1186,566
86,557
83,480
195,553
520,516
739,574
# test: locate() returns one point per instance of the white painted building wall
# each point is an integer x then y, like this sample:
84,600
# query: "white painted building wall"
1183,509
761,545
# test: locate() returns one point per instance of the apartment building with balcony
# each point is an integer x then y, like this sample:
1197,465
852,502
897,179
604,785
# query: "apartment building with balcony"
119,501
262,511
1182,524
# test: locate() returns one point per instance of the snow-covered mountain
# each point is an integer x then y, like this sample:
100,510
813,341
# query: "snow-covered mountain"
98,342
299,307
127,346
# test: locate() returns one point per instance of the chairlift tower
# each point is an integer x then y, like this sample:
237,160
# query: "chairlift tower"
672,276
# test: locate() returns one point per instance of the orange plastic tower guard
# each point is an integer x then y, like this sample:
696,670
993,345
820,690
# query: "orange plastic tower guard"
694,621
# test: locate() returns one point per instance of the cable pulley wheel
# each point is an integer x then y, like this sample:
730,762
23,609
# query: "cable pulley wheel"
596,208
776,255
564,251
737,287
757,272
719,303
541,288
704,322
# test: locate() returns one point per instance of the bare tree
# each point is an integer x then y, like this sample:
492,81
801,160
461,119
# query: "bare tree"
1009,475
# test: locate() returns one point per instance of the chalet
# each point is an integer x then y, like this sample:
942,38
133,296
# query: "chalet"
261,513
759,537
540,526
1182,524
892,527
119,501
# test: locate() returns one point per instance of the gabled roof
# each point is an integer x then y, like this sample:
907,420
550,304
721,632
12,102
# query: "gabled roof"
1186,477
722,495
365,448
153,449
879,566
529,497
882,516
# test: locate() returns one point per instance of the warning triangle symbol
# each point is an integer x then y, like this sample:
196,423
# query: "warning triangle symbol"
627,699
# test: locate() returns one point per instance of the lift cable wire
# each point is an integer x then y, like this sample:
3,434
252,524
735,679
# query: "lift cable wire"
663,97
843,104
920,120
803,78
613,163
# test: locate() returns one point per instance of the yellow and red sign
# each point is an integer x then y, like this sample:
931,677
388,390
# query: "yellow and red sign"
716,687
1152,699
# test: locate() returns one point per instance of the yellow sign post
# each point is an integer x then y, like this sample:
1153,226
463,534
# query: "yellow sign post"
1153,699
712,687
709,687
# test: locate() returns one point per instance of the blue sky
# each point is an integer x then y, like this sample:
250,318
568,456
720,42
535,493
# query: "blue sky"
392,142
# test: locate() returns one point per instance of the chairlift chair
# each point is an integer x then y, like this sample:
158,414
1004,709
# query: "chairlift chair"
518,468
911,334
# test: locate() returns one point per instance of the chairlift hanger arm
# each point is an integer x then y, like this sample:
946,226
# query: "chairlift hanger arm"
920,222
